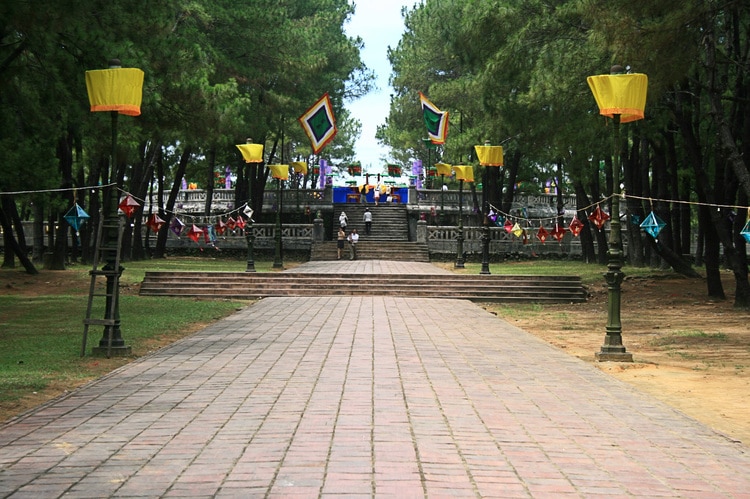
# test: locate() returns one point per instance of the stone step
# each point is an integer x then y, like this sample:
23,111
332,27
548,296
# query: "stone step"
389,222
371,249
243,285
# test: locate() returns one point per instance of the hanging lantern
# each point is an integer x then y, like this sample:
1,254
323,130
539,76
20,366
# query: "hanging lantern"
575,226
195,233
251,153
240,223
598,217
176,226
299,167
155,222
745,232
517,230
508,226
279,172
248,213
221,227
432,172
394,170
542,234
443,169
622,94
558,232
355,169
128,205
489,155
116,89
76,217
464,172
653,225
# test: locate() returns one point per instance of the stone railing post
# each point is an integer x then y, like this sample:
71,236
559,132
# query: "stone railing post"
421,231
318,229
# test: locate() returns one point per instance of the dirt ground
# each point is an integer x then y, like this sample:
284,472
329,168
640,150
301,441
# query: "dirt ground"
690,352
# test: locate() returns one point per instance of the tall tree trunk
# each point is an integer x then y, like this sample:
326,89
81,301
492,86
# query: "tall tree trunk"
161,242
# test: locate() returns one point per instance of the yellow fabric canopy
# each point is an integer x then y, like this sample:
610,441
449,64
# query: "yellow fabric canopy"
623,94
119,89
464,172
299,167
280,172
443,169
251,153
490,155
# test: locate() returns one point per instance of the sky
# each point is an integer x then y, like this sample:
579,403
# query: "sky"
380,25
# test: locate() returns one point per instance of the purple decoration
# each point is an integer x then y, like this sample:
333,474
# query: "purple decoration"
184,184
416,169
227,180
323,172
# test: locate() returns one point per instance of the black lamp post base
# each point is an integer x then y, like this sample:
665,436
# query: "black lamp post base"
607,356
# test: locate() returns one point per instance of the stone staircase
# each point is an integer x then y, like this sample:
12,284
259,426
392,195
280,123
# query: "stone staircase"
248,285
388,240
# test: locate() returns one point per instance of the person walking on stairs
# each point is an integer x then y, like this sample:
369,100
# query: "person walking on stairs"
343,219
367,218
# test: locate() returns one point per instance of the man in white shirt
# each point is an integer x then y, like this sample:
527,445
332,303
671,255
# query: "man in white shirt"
367,218
353,240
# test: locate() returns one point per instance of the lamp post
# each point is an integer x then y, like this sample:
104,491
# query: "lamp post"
279,172
251,153
488,155
442,169
117,90
621,97
464,173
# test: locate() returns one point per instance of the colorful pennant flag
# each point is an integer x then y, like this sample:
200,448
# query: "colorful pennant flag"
435,120
319,123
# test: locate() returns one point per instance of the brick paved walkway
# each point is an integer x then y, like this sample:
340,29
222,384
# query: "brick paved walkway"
360,397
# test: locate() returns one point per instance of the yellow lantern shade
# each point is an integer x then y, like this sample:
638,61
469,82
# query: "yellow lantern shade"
251,153
119,89
443,168
464,172
299,167
490,155
280,172
623,94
